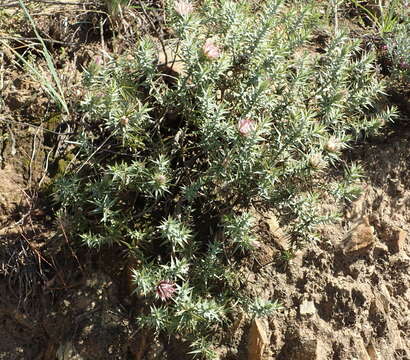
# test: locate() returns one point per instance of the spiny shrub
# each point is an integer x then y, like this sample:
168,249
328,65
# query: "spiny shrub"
398,49
175,152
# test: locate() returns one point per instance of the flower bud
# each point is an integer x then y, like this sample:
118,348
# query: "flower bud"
404,65
124,121
165,289
98,60
333,145
183,8
316,161
211,51
160,179
246,126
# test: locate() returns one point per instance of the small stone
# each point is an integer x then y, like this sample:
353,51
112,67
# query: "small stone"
398,241
307,308
277,232
359,237
395,338
258,340
371,350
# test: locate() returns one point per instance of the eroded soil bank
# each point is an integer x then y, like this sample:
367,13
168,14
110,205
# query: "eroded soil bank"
347,297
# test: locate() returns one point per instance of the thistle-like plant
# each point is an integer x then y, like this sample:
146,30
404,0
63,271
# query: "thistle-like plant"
398,50
170,162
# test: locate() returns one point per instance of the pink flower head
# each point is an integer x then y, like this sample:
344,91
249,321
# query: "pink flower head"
404,65
246,126
183,7
98,60
211,51
160,179
166,289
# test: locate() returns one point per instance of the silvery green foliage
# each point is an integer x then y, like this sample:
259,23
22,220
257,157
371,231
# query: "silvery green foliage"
261,308
171,161
398,48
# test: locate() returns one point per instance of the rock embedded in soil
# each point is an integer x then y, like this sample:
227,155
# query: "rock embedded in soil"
398,241
307,308
174,64
360,237
371,351
279,236
311,349
258,340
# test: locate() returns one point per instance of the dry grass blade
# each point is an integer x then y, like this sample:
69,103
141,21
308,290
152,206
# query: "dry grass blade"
54,88
17,3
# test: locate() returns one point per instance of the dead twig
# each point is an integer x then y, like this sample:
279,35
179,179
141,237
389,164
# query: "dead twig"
32,157
69,246
23,39
45,168
34,250
96,151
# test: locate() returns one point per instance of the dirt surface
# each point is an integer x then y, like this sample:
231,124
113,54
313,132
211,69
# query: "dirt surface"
346,297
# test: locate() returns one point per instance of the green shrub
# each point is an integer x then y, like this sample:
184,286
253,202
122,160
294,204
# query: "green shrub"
171,161
398,49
